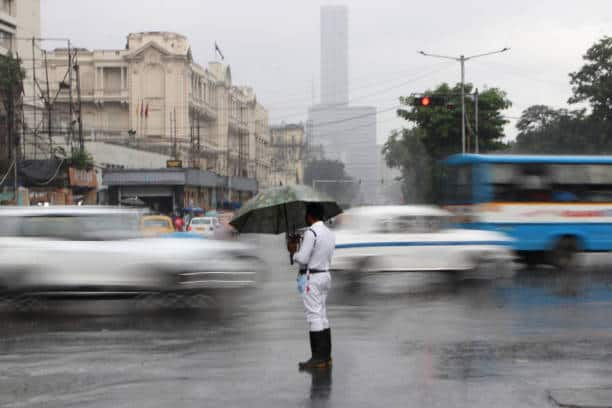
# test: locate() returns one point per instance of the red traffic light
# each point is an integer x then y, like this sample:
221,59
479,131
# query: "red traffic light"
428,101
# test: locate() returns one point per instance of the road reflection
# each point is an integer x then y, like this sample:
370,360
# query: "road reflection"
320,387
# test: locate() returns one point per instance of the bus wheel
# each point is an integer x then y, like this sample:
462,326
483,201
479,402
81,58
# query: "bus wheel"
564,252
530,259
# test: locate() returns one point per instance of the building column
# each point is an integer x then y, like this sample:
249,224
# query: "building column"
101,78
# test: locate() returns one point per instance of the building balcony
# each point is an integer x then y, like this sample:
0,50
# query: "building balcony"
90,95
105,95
206,109
7,21
238,125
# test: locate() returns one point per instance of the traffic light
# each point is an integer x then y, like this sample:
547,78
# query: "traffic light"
426,101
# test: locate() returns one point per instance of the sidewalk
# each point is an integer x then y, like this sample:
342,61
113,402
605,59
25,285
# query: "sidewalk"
582,397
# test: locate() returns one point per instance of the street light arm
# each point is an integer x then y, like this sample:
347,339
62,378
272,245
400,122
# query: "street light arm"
438,56
487,53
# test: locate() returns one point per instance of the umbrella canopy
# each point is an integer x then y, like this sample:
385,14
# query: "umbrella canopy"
281,209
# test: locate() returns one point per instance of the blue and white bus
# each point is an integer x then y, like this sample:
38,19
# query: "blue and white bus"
553,206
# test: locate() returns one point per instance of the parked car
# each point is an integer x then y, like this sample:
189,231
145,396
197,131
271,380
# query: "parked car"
155,225
204,225
94,250
412,238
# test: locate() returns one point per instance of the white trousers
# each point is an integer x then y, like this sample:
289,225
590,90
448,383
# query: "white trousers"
315,298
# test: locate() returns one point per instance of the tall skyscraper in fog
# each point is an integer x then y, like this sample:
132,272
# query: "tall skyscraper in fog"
343,132
334,55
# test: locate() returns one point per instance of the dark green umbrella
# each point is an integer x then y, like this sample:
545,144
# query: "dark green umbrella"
281,209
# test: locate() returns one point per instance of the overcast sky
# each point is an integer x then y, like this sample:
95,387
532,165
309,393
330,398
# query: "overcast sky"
273,45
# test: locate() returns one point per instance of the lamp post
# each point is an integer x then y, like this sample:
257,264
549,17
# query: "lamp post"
462,59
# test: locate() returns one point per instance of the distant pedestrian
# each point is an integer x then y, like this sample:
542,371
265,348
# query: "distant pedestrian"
314,281
179,224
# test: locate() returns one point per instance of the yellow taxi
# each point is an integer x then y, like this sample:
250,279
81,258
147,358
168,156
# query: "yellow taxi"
155,225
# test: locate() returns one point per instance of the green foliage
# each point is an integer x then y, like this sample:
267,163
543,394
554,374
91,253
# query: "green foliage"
324,172
405,150
436,133
545,130
593,82
442,126
81,159
11,75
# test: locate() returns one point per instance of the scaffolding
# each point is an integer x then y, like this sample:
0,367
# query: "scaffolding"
47,128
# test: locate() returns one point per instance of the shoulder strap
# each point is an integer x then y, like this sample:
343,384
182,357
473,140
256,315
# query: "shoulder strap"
315,237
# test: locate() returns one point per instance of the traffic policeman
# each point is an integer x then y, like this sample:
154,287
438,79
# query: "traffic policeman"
314,257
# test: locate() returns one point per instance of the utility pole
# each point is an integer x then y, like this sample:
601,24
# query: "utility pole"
198,142
49,108
34,122
70,101
175,137
10,119
476,148
191,140
462,59
463,139
80,106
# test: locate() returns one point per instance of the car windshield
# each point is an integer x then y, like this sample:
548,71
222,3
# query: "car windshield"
200,221
156,223
78,227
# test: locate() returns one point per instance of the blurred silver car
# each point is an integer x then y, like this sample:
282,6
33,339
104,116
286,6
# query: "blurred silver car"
413,238
100,250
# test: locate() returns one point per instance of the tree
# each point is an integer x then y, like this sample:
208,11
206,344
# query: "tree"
405,150
543,129
442,126
11,77
330,177
436,133
593,82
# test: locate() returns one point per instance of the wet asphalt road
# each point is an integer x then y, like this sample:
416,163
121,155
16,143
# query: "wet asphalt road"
494,338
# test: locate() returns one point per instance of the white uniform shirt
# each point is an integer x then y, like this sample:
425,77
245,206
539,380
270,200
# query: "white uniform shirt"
316,256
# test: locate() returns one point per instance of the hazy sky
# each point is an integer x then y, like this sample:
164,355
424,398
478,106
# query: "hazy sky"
273,45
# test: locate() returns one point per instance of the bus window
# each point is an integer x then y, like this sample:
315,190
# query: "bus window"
582,182
520,182
459,184
503,178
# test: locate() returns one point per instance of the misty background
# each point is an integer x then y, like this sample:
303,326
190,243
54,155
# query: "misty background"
274,45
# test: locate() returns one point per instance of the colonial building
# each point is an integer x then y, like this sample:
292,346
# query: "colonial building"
19,24
288,151
153,96
19,19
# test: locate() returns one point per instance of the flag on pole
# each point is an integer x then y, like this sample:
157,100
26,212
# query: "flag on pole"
218,51
147,111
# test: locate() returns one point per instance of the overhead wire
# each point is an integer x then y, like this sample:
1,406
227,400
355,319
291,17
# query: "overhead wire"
7,173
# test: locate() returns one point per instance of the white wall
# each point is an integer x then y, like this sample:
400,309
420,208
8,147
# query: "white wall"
106,153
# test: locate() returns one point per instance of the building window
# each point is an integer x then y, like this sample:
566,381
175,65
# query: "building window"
6,40
6,6
112,79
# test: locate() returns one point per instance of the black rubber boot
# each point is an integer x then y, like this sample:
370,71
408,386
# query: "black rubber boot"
328,346
318,345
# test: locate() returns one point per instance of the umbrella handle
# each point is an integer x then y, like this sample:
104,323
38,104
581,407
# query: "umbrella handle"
287,231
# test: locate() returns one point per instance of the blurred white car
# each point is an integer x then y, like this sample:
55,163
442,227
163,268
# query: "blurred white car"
205,226
99,249
412,238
